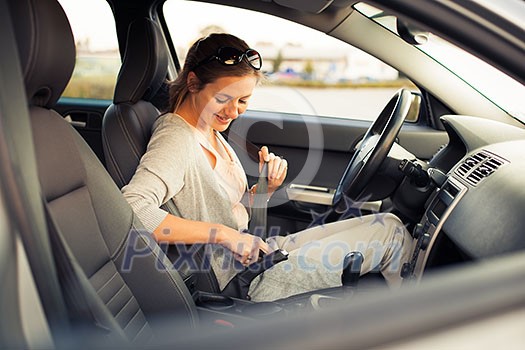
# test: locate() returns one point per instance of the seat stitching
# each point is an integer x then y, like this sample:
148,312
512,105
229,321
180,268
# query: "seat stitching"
112,157
107,282
132,318
124,240
140,331
187,301
116,293
181,292
129,140
50,200
131,298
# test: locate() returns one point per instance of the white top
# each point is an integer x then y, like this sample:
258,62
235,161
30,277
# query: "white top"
230,175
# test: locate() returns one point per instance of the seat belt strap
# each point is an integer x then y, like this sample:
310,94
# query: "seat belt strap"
247,146
259,208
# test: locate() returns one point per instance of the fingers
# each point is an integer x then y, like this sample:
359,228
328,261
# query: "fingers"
244,246
264,247
245,260
246,250
278,169
271,164
277,165
264,156
263,153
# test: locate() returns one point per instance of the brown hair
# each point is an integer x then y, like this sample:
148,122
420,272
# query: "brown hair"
209,72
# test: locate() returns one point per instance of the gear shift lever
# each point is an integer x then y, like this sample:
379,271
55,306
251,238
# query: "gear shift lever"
351,269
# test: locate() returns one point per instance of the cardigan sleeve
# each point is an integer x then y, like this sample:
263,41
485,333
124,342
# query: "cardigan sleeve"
160,174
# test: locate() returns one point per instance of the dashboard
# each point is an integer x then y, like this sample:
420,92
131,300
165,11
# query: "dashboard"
478,210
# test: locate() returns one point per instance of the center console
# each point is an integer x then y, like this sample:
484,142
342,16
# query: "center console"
234,310
220,310
428,229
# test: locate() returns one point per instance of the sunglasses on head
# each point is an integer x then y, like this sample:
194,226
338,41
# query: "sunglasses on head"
230,56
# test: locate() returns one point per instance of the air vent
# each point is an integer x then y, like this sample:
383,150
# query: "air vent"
478,166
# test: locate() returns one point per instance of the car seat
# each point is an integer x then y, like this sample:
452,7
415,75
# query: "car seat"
128,121
89,211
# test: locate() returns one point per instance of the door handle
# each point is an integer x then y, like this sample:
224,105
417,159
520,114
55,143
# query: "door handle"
310,194
78,120
323,196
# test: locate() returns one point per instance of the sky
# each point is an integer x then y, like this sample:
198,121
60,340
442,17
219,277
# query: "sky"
91,19
252,27
185,20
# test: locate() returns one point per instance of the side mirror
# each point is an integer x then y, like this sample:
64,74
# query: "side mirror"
410,33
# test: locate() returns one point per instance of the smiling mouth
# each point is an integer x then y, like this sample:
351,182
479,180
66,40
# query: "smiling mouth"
222,119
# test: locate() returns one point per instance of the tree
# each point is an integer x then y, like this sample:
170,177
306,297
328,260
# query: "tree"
277,61
309,69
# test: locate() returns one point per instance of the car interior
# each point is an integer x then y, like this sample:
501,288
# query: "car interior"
447,160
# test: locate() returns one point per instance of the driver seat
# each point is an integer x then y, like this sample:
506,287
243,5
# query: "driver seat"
128,122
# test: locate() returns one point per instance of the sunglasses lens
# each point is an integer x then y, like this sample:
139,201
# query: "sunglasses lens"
229,56
254,58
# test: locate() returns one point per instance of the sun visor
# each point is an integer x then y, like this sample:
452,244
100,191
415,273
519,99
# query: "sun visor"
314,6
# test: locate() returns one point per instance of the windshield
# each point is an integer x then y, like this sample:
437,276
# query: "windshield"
498,87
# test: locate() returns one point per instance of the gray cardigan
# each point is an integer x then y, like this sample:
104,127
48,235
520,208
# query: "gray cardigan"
174,167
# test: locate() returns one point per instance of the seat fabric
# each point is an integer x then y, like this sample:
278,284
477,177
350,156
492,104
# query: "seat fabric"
125,266
127,123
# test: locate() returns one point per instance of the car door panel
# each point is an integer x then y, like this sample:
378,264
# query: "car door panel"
318,150
328,142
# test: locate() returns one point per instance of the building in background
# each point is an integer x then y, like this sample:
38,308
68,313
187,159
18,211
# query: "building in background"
330,66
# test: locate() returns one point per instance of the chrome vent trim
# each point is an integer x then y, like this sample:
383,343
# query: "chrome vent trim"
478,166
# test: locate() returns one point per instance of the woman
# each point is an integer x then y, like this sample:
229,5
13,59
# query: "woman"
190,163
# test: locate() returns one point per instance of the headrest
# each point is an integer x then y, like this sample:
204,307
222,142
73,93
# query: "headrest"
46,48
145,63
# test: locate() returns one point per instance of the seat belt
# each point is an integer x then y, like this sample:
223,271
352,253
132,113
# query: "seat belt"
259,208
85,309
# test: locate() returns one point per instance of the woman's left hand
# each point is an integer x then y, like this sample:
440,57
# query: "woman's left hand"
277,168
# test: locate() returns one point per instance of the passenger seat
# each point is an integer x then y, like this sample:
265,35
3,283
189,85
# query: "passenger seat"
131,276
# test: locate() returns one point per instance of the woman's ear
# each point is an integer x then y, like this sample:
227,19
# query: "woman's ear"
193,82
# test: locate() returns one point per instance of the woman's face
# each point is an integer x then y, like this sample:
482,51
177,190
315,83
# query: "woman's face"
223,101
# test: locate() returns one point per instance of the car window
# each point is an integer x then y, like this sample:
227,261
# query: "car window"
497,86
98,60
307,72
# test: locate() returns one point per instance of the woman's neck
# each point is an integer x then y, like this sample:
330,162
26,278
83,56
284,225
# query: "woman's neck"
187,112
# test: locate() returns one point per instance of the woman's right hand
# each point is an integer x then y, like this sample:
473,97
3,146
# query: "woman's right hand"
244,246
277,168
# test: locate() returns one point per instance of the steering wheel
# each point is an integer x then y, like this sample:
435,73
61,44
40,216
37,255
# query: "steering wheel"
374,147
